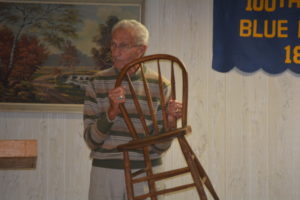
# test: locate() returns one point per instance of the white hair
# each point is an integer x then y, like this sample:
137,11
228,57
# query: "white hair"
141,33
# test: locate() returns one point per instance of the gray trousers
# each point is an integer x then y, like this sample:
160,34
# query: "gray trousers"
109,184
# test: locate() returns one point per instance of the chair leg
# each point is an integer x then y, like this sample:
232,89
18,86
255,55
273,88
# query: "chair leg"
202,173
128,176
191,163
207,181
149,172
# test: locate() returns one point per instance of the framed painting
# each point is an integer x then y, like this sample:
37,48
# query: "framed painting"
49,50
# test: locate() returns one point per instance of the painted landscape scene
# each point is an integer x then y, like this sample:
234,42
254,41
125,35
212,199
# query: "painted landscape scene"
48,51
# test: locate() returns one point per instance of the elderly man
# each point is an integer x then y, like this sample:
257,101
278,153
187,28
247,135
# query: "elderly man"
104,128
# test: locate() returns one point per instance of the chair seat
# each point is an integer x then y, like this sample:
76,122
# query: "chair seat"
154,139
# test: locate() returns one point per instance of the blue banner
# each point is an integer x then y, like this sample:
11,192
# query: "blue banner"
254,34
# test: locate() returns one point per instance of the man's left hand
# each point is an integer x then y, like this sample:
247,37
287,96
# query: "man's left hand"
174,110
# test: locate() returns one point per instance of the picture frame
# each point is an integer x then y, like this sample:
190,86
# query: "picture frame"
57,55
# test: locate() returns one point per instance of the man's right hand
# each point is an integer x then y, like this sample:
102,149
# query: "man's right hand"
116,96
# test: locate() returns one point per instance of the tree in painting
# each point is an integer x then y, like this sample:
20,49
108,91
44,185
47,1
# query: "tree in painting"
102,54
25,31
69,57
29,55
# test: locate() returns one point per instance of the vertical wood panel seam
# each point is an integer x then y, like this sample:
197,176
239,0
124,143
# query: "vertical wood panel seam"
47,155
225,135
64,142
268,135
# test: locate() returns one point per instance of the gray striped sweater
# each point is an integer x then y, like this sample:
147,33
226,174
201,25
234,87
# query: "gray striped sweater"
103,135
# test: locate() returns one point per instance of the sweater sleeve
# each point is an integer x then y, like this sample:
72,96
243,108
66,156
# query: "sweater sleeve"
96,123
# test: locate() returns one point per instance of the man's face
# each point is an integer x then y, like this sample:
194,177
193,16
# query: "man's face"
123,48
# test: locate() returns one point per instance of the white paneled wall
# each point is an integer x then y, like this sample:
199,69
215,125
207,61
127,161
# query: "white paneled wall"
245,126
63,162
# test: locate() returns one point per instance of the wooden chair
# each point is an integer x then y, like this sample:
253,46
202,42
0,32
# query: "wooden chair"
193,167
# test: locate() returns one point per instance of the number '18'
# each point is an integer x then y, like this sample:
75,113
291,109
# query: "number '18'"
292,55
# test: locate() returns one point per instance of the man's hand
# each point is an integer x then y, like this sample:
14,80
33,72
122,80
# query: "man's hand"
174,110
116,96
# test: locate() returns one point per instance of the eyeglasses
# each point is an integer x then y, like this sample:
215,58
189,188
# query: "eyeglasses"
122,46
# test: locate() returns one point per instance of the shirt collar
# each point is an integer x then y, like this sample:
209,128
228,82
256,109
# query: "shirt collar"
136,76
